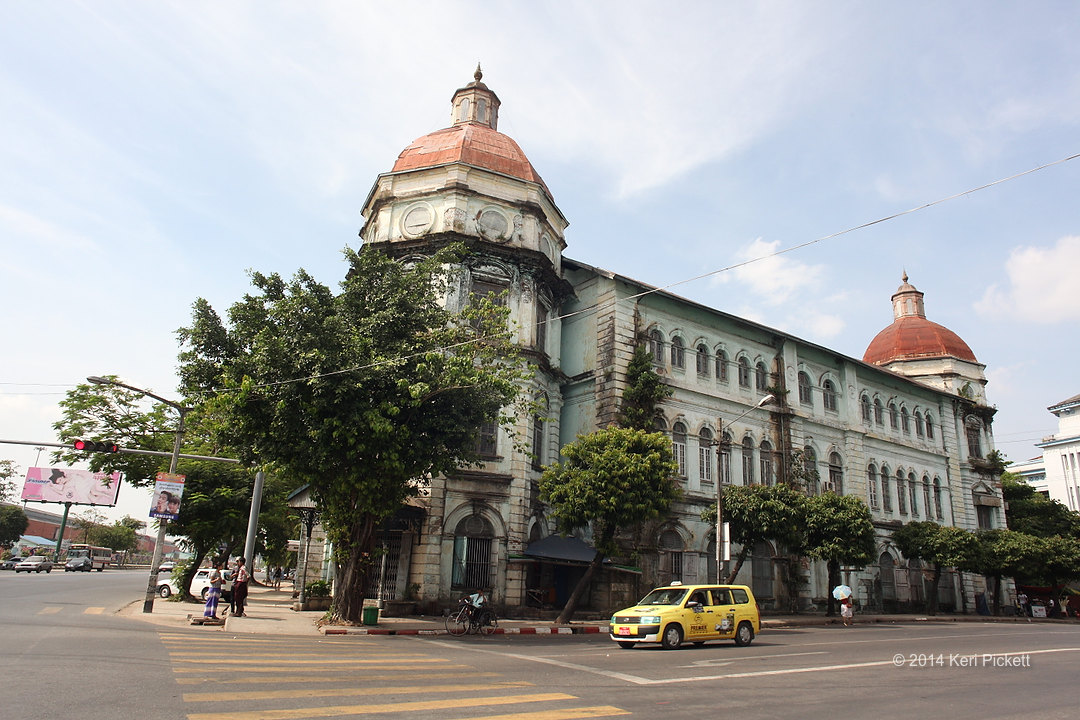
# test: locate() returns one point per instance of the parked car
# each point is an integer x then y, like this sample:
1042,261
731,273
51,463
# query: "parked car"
10,563
695,613
35,563
79,564
167,567
200,585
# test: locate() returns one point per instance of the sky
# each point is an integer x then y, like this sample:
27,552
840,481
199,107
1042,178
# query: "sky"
155,153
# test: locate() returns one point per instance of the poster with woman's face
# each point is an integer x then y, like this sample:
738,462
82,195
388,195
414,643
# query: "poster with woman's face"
68,485
168,489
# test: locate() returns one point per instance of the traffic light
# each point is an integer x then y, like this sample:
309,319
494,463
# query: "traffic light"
91,446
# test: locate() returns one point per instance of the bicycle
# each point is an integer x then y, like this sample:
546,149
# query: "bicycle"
472,620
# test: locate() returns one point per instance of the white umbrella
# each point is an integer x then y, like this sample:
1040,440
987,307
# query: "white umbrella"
841,591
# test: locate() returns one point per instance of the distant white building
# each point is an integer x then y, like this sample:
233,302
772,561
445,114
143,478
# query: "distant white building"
1057,473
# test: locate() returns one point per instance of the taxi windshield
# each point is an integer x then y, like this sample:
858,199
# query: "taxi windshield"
664,596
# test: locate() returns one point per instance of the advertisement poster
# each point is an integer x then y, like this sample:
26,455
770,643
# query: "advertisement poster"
168,489
67,485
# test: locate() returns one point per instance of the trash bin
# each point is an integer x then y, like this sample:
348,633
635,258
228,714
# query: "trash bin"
371,615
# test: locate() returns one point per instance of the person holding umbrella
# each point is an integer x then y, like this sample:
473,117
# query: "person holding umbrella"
847,610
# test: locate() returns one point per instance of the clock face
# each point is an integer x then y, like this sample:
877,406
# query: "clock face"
417,220
492,225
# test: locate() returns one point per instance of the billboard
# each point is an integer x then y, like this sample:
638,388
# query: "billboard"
168,489
67,485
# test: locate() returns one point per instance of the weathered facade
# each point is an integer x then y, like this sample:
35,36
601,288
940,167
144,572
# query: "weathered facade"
907,428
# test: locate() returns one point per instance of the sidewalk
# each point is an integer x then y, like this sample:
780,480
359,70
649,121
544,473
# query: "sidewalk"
269,612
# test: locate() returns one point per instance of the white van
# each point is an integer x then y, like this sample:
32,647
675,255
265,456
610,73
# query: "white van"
200,585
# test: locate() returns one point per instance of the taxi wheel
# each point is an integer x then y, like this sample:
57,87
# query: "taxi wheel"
744,635
672,637
626,645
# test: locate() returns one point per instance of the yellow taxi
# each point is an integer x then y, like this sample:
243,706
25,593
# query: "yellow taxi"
678,613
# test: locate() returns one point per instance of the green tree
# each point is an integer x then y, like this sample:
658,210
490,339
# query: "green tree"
1029,511
362,394
840,531
118,536
942,546
8,471
1005,553
643,393
13,523
612,478
760,513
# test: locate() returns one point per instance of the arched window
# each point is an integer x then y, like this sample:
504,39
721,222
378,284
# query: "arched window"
656,346
864,403
761,377
805,397
766,462
678,447
926,497
938,510
678,352
705,453
538,455
836,474
487,439
878,412
905,420
929,427
920,429
913,489
744,372
871,485
828,391
892,415
472,553
702,360
886,495
901,493
721,365
748,461
671,557
725,459
973,428
810,464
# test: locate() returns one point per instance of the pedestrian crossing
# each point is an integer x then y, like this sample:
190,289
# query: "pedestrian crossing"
226,677
56,609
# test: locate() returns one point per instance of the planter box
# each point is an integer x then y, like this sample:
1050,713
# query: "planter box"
398,608
315,603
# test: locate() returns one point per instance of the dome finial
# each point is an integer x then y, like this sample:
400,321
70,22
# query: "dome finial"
903,278
478,74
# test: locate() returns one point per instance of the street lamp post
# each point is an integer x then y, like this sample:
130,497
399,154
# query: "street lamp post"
151,583
721,539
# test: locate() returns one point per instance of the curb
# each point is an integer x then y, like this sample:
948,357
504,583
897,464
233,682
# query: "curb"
338,630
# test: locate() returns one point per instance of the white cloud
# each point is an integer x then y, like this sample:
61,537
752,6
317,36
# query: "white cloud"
1042,285
774,279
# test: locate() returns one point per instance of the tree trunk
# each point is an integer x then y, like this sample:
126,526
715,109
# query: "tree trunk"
996,610
579,590
740,559
931,596
834,580
189,572
353,574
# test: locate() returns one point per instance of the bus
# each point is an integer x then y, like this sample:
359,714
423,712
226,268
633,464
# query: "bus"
100,557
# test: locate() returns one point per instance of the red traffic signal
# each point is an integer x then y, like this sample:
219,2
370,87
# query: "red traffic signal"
91,446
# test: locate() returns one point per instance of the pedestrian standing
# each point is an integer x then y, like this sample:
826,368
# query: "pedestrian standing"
214,592
847,611
240,586
277,577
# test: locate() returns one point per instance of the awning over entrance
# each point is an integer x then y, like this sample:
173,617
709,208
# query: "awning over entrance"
555,547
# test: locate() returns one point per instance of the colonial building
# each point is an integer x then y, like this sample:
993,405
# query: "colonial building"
1056,473
906,428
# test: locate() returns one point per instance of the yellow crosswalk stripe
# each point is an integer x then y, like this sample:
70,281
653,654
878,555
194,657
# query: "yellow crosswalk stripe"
226,660
402,707
351,667
333,677
49,610
93,611
348,692
568,714
292,656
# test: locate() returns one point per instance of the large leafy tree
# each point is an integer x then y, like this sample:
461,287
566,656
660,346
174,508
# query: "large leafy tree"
942,546
1005,553
643,392
1029,511
758,513
612,479
13,523
8,471
840,531
362,393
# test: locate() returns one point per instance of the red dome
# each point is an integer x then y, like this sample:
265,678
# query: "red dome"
914,337
469,143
